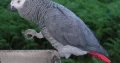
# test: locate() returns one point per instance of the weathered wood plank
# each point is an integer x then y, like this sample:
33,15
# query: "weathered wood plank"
29,56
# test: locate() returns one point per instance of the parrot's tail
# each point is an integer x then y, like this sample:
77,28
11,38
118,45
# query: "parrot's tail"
100,57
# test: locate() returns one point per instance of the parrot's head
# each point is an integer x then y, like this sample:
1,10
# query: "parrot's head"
23,4
28,8
16,4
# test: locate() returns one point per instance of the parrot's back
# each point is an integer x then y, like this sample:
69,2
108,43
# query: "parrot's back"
67,28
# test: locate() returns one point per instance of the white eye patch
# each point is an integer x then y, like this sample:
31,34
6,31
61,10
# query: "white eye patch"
17,3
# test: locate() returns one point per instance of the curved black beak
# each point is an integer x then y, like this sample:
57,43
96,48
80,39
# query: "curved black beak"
12,8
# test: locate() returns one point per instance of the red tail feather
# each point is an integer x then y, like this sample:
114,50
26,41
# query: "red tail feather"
100,57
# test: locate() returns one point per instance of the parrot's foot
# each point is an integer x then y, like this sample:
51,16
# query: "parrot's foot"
30,33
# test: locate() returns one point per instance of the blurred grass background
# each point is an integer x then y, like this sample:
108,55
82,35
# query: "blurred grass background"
101,16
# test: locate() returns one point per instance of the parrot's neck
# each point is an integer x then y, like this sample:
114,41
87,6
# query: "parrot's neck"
35,10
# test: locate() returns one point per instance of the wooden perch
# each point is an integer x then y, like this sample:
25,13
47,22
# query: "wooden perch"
29,56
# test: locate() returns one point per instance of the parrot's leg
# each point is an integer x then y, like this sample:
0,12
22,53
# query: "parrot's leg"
30,33
39,35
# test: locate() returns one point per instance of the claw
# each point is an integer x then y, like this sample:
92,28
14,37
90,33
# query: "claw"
29,34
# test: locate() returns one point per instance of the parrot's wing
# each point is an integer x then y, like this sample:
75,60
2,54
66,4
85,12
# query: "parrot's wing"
68,29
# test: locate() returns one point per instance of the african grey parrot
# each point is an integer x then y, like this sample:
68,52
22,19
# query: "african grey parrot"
61,27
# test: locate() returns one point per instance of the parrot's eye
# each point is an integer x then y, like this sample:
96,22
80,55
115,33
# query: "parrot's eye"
18,1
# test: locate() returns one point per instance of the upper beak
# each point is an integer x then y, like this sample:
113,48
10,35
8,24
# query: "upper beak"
11,8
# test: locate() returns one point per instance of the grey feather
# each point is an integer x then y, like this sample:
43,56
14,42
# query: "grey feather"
62,24
67,28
